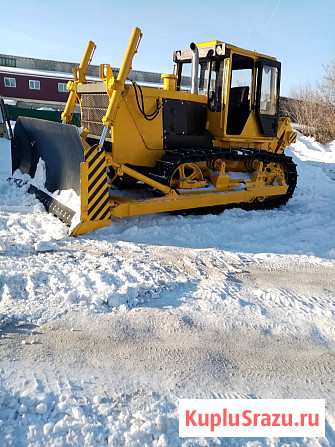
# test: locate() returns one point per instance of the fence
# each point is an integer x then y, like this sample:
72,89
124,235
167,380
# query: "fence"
14,112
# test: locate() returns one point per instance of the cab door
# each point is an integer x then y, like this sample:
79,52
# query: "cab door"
267,96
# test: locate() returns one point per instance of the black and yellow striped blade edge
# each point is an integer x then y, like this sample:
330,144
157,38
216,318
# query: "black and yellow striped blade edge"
95,206
98,196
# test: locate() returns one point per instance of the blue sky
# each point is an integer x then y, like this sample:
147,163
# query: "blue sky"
299,33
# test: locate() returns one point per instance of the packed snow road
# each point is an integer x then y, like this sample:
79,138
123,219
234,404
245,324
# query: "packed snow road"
103,333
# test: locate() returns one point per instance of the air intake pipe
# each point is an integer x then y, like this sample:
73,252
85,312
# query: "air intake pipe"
195,69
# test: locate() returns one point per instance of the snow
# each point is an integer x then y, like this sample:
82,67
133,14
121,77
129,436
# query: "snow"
100,335
10,102
40,175
306,148
67,197
45,246
246,176
48,109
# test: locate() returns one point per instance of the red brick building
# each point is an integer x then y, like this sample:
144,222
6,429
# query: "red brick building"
42,83
34,86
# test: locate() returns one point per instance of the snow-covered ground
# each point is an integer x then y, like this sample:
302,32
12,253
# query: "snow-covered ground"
102,334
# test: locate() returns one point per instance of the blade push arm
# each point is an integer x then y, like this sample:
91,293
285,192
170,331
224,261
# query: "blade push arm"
79,75
117,86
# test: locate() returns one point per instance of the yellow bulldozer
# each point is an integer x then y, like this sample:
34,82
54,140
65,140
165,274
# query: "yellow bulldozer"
211,137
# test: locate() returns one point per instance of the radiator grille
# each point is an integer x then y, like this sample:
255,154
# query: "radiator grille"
93,108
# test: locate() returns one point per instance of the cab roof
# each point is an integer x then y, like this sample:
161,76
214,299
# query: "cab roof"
215,48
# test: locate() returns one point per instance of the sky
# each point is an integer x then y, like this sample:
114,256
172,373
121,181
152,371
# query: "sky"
299,33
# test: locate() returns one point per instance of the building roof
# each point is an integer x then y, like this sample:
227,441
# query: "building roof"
43,73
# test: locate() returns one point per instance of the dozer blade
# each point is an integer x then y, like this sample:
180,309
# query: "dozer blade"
58,145
68,166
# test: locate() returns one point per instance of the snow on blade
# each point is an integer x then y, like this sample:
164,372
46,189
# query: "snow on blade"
67,197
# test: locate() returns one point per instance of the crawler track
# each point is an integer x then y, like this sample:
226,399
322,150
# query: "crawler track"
166,166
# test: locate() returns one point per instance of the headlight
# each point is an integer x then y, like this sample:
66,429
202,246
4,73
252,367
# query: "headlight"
219,50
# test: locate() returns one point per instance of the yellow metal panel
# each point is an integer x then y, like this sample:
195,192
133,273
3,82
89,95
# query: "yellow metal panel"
213,124
128,143
85,227
151,132
248,53
225,94
251,129
210,43
83,191
163,204
182,96
136,140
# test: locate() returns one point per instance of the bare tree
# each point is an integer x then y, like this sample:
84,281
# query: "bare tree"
329,83
313,108
328,93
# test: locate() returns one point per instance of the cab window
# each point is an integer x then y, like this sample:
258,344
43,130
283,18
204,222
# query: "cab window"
215,85
268,99
210,81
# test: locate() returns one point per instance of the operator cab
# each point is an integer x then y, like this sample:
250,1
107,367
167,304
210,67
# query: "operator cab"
237,83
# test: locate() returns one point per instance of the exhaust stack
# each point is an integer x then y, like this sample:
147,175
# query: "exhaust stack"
195,69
